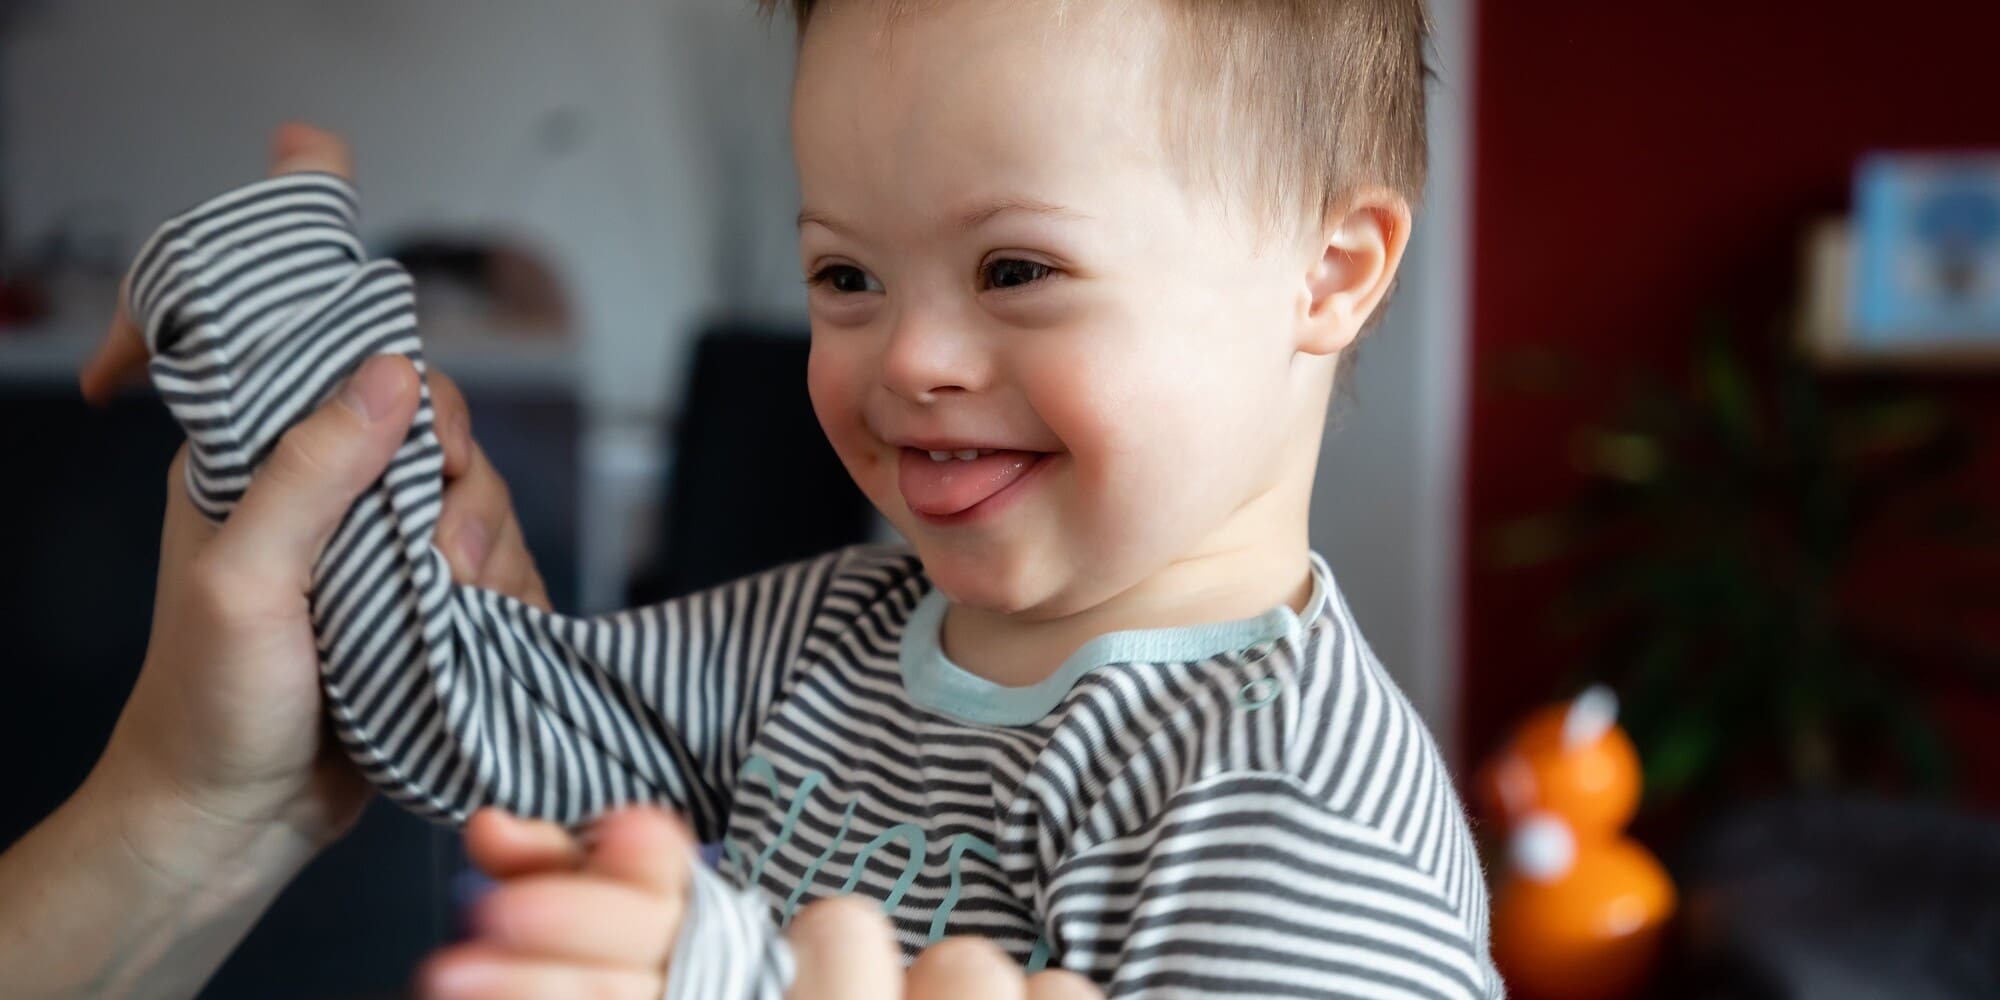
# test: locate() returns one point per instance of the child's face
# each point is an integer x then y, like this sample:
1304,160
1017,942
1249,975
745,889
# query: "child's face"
1007,259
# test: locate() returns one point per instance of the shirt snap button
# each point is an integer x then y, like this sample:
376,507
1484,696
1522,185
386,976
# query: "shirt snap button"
1258,693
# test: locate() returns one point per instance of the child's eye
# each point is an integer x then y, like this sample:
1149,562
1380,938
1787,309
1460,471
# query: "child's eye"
1013,272
845,279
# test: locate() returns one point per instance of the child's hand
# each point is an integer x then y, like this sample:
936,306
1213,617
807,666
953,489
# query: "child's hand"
599,920
121,356
570,918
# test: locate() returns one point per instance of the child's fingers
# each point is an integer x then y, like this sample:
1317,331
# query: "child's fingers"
120,357
1061,984
844,950
965,968
477,971
645,847
505,846
578,918
297,146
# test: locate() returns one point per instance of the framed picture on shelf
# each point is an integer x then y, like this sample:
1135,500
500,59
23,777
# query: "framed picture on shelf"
1914,278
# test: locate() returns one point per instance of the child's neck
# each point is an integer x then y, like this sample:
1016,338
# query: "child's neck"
1218,586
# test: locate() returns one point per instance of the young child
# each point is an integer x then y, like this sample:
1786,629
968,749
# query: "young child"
1082,277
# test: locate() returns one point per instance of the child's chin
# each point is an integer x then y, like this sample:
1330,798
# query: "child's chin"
988,581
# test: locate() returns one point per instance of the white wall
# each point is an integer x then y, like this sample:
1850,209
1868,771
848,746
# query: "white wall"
675,202
1386,506
143,107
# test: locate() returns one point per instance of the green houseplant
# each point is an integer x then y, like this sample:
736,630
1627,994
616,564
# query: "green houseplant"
1725,572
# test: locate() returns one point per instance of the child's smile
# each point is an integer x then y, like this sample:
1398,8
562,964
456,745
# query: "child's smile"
947,483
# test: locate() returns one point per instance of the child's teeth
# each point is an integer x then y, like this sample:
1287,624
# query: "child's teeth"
940,456
967,455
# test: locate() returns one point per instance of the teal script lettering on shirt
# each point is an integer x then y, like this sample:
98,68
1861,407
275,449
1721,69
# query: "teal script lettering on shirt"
915,842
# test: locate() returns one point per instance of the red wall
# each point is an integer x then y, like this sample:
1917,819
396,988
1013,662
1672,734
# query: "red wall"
1636,163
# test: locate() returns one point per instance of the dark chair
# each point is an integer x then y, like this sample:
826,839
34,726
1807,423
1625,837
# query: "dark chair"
1842,899
754,483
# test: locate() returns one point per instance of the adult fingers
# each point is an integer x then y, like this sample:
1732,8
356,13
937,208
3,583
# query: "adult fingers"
478,531
481,972
505,846
965,968
481,537
844,950
311,478
477,509
511,570
452,419
577,918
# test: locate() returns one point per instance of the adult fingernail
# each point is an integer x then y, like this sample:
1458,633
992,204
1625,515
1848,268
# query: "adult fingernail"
373,389
471,542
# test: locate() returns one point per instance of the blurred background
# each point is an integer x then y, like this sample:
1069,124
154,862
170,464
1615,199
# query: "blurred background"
1638,419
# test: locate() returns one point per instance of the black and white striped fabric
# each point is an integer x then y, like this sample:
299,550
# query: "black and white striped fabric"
1242,809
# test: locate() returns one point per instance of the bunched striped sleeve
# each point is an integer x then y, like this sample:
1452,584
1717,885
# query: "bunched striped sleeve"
1244,884
256,305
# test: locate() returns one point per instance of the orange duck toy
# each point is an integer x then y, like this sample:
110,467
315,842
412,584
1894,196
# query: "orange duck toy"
1580,912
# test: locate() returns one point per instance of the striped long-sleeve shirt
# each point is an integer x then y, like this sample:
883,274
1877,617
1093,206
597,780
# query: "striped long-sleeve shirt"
1243,808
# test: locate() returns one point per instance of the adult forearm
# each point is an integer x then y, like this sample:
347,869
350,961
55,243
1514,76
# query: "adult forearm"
128,892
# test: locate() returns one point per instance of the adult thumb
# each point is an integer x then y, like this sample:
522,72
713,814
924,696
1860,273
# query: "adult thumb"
297,499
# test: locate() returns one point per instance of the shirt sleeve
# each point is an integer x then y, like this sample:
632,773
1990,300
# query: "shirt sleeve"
256,306
1246,885
728,948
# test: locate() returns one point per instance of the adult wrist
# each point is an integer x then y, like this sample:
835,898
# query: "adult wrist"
125,891
183,845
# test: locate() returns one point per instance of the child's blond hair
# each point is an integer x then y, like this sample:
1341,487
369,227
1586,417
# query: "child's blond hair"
1324,96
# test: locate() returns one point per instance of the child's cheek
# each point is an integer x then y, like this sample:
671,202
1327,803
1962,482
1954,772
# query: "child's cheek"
1101,407
836,380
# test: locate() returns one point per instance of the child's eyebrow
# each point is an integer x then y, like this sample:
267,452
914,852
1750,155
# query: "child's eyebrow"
809,216
975,216
986,212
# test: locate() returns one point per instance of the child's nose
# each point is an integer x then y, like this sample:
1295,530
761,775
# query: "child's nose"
930,356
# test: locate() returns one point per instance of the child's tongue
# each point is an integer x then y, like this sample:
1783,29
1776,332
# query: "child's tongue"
947,487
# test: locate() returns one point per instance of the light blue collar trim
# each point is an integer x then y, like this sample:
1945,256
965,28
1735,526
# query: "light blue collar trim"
936,683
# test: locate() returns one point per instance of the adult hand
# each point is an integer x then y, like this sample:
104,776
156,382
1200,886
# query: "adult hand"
227,708
219,781
599,920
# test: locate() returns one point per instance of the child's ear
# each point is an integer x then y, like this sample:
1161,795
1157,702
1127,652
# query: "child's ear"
1361,245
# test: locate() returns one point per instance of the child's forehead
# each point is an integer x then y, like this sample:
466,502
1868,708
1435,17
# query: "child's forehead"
1024,71
978,90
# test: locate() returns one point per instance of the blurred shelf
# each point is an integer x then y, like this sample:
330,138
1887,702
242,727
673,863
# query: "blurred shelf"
45,358
1823,331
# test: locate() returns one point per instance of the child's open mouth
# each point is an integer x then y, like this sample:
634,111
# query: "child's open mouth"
950,487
